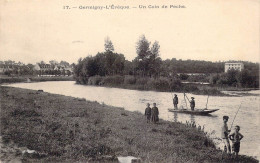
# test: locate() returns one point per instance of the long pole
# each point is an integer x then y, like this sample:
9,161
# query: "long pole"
171,91
187,97
207,102
185,101
236,115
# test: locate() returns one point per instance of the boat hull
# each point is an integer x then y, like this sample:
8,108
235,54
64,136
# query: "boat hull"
196,111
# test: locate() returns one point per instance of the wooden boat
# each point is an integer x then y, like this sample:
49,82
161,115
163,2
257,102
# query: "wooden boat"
196,111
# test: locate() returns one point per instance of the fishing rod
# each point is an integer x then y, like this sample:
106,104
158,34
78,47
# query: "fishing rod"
236,115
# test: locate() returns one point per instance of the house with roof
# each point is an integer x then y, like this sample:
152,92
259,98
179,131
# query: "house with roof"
234,65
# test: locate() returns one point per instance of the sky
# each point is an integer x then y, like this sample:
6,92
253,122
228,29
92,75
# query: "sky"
215,30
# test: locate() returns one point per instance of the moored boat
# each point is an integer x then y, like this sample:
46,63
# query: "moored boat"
196,111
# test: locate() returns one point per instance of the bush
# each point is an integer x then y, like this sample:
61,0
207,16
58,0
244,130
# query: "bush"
159,84
94,80
129,79
113,80
142,81
198,78
190,88
175,84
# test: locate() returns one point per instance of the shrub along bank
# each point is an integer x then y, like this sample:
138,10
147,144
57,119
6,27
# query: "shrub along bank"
146,83
67,129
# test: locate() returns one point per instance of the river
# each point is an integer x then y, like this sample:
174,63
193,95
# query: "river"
133,100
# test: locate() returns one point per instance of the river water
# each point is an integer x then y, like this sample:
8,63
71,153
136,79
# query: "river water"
133,100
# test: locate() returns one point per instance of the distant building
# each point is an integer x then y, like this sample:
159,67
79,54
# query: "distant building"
49,69
234,65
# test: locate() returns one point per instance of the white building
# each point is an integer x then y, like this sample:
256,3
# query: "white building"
235,66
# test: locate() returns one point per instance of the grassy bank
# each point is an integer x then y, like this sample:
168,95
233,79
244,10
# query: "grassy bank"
68,129
19,79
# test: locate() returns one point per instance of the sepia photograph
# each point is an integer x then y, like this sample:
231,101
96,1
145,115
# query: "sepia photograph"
129,81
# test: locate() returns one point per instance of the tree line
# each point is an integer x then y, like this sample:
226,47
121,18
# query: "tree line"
148,64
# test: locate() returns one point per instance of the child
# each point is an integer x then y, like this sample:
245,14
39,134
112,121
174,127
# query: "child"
235,138
224,134
148,112
155,114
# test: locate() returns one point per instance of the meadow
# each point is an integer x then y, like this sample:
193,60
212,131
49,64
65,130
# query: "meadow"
67,129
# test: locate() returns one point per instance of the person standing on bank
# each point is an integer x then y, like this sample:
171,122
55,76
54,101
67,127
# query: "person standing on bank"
148,112
235,138
175,101
155,113
224,135
192,103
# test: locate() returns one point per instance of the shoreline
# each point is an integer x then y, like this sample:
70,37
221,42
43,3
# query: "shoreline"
65,128
200,90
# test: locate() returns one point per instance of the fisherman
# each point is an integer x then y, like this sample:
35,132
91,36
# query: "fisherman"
192,104
224,135
155,114
148,112
235,138
175,101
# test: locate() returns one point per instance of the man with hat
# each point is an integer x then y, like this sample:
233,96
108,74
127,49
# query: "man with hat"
224,134
175,101
192,104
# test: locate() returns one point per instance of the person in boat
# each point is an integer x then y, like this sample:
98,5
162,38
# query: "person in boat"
148,112
175,101
224,135
154,114
235,138
192,103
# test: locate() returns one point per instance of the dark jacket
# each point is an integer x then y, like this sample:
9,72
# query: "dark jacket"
148,111
155,114
192,103
175,100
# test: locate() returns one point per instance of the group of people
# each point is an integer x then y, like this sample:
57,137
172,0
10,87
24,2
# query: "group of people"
176,101
234,137
152,114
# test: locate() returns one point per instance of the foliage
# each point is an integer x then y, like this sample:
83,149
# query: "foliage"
108,45
130,79
113,80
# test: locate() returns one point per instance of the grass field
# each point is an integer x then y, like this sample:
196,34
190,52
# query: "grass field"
68,129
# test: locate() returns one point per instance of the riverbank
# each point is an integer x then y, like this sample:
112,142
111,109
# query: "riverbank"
62,128
19,79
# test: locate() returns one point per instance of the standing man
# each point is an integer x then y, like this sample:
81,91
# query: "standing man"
155,113
192,103
175,101
148,112
224,135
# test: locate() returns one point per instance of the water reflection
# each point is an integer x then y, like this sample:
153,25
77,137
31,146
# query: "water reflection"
175,115
192,119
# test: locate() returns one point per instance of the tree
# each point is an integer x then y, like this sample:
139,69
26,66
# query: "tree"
108,45
155,49
53,62
232,77
64,63
42,62
142,48
148,60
